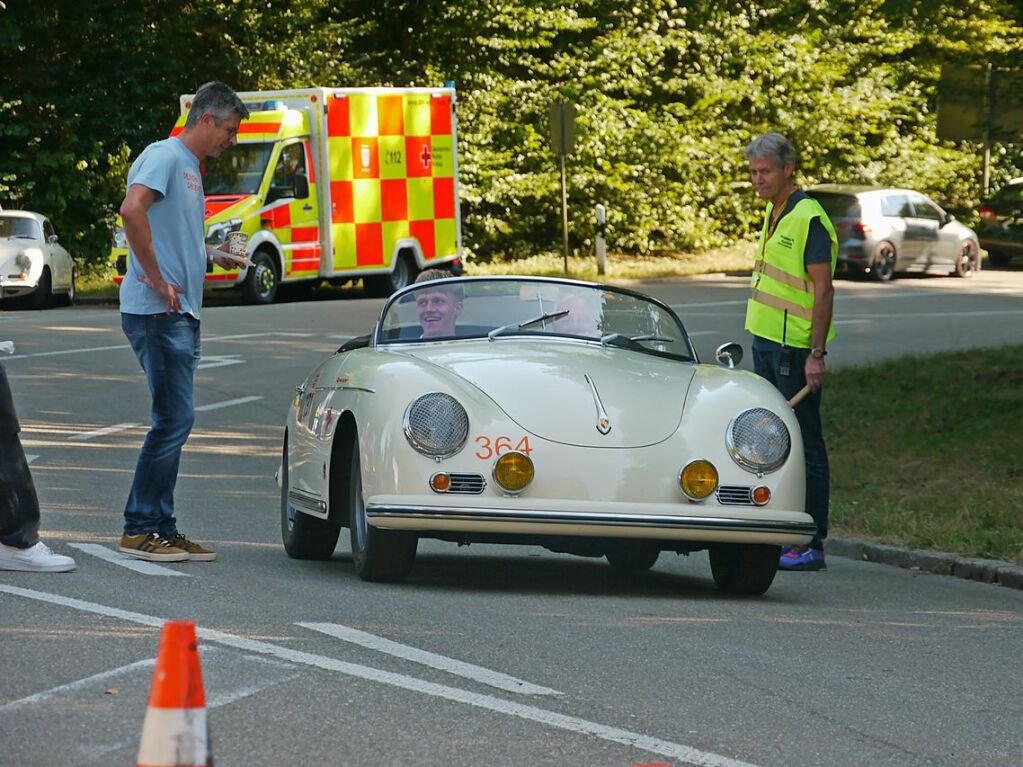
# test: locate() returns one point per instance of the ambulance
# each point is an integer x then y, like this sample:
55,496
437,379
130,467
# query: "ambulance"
334,184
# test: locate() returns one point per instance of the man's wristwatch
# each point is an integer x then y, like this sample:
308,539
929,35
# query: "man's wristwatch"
818,352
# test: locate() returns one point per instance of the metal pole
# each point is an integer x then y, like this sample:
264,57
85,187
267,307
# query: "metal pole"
600,244
564,211
986,178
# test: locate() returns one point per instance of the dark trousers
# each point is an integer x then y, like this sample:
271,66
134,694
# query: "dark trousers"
19,506
767,363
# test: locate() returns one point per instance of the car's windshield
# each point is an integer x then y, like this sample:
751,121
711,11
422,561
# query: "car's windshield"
18,226
497,309
238,171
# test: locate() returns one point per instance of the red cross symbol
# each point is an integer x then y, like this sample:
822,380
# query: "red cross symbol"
424,156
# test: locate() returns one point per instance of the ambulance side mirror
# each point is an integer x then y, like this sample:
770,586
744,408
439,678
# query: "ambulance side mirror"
301,186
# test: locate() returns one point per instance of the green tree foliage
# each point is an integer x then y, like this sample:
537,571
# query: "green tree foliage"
667,93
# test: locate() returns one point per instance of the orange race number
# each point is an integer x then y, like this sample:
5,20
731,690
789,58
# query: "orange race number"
489,447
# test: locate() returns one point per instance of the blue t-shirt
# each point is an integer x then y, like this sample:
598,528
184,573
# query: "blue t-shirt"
818,250
177,221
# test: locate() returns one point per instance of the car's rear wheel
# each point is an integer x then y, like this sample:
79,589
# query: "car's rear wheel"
744,568
68,299
967,259
883,268
261,282
304,537
632,557
379,555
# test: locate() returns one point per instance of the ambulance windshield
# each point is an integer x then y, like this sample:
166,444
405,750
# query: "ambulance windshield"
238,171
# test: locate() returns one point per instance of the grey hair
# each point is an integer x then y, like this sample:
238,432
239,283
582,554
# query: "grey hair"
217,99
772,145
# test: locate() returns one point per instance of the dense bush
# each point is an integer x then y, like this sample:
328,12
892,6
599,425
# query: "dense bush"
667,94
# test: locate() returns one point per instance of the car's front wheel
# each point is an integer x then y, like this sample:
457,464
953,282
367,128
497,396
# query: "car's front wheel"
744,568
967,259
304,537
379,555
883,268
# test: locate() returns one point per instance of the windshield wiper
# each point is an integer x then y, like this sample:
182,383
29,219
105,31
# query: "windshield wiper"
523,325
20,237
633,340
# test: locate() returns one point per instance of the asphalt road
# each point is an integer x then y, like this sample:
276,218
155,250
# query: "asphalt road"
496,655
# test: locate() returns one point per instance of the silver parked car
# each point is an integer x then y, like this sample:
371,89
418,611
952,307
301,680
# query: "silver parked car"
882,231
33,263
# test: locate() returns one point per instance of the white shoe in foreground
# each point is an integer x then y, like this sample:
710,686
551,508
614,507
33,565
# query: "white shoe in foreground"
34,559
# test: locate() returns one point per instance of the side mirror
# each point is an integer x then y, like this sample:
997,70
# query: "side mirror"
729,355
51,239
301,186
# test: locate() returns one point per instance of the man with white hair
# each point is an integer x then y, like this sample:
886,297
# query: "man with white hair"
789,315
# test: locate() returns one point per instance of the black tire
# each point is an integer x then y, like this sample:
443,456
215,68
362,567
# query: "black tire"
42,296
967,259
304,537
68,299
383,556
744,568
632,557
882,266
999,257
401,276
262,281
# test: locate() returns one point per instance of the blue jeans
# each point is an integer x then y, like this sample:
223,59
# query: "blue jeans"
167,347
767,363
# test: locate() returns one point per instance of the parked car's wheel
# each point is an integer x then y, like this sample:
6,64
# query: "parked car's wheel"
632,557
382,285
744,568
262,281
67,299
304,537
379,555
967,259
999,257
883,268
42,296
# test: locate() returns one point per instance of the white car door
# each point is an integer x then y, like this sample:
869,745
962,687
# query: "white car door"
58,258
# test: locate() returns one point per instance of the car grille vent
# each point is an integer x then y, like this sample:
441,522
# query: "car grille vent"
467,484
735,495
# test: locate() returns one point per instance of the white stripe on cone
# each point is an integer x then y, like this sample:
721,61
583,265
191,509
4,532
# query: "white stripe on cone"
175,737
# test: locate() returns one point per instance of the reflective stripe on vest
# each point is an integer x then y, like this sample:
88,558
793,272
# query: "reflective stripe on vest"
781,304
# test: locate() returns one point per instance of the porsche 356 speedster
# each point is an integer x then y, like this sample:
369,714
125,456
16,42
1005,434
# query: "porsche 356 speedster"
570,415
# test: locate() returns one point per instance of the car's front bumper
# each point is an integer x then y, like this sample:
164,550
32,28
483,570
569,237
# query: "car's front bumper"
756,526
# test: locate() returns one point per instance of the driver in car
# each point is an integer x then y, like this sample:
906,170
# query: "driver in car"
438,308
583,316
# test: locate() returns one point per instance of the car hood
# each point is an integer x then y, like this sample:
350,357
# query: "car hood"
560,391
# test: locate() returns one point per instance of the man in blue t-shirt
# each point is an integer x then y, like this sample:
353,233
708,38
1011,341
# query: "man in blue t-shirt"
161,298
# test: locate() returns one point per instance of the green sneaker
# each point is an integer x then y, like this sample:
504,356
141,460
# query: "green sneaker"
151,547
196,553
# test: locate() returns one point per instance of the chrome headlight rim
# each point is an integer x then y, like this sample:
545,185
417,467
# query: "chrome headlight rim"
417,443
736,453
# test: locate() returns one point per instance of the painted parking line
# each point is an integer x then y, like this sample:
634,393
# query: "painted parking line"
116,558
226,403
88,681
29,458
101,432
208,362
425,658
535,714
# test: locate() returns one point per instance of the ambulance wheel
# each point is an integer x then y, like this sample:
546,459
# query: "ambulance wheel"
382,285
262,282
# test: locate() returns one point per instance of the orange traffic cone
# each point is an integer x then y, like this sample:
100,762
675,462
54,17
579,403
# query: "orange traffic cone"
175,732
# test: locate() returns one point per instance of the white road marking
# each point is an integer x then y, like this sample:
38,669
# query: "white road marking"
101,432
39,697
207,339
29,458
850,322
116,558
450,665
208,362
227,403
487,702
69,351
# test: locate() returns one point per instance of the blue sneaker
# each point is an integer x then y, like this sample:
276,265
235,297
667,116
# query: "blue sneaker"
801,558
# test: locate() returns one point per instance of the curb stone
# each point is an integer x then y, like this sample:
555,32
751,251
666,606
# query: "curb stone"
994,571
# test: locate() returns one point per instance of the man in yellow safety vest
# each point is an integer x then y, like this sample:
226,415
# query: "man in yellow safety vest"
789,314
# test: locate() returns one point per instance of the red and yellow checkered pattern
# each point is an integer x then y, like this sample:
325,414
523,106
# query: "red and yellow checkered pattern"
392,176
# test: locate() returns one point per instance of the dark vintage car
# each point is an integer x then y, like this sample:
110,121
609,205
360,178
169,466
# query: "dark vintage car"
1001,223
884,231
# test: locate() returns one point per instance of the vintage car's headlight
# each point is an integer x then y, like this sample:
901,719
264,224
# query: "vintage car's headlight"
698,479
758,440
513,471
24,259
436,425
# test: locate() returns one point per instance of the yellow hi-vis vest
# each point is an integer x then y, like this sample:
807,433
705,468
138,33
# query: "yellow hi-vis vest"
781,305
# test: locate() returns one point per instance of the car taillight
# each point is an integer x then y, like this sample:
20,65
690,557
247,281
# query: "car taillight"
988,215
854,228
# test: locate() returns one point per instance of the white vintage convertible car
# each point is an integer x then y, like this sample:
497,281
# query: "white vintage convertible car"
570,415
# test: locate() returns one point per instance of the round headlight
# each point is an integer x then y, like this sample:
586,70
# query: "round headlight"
513,471
758,440
698,479
23,261
436,425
